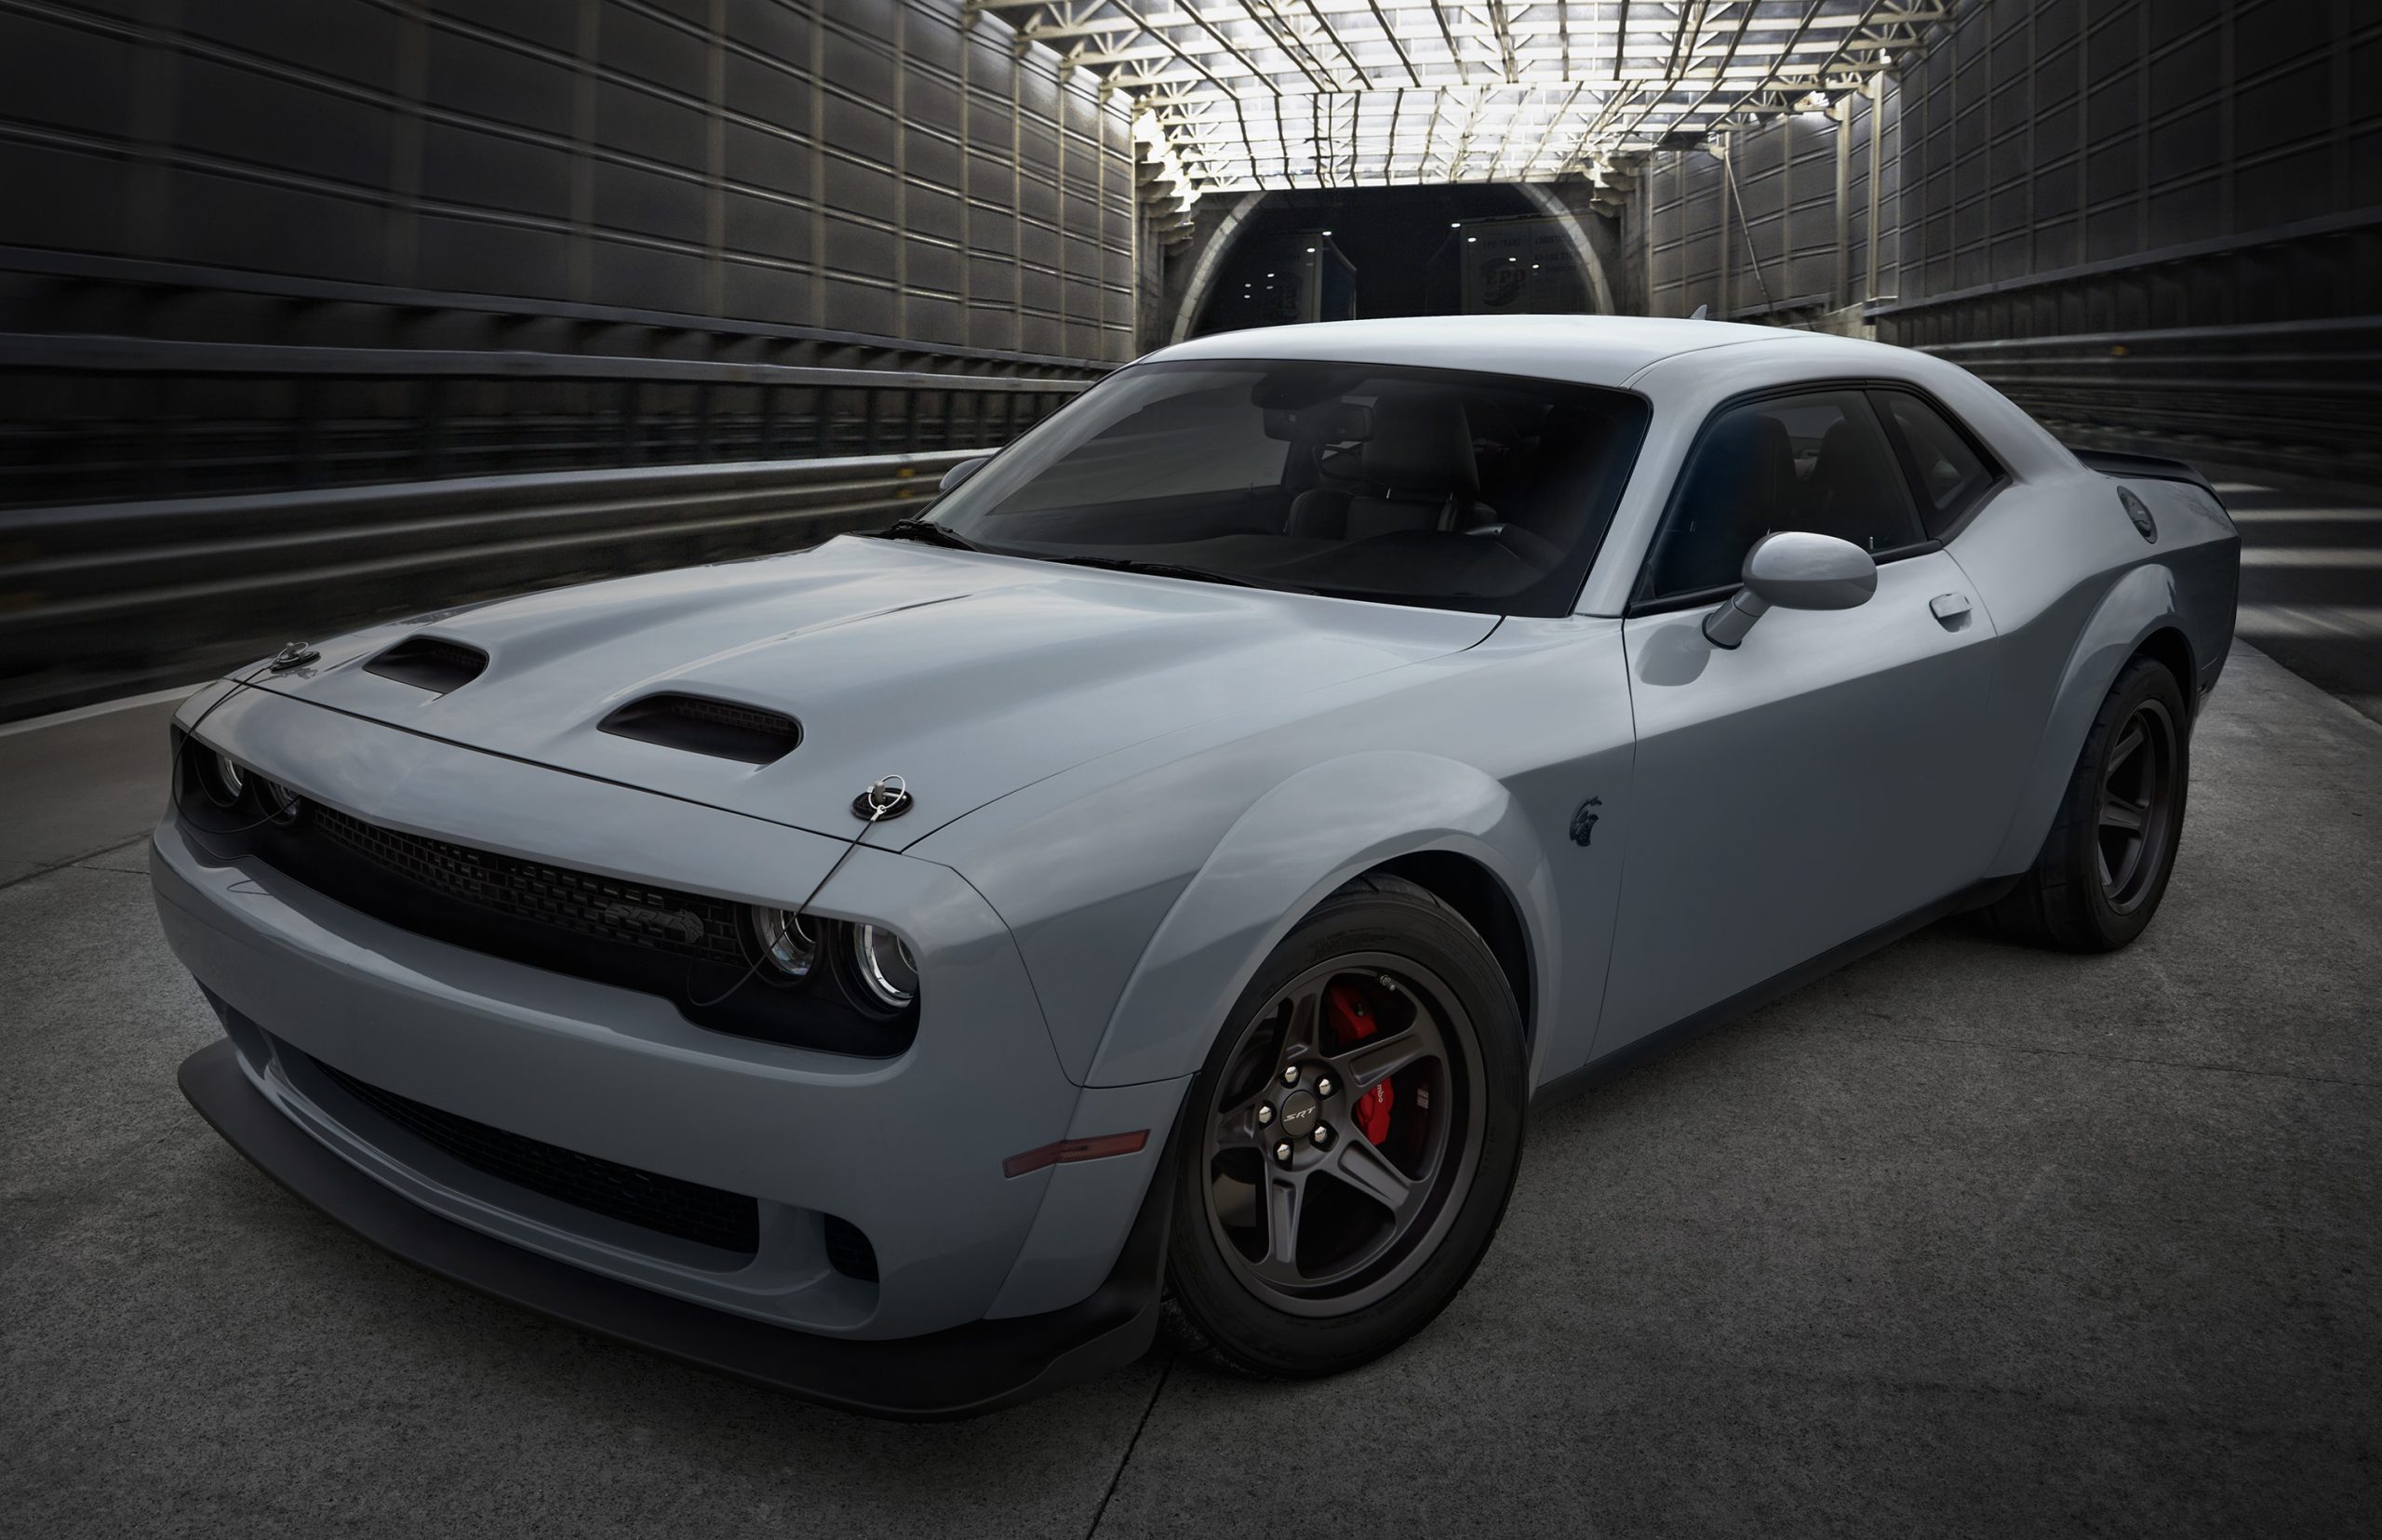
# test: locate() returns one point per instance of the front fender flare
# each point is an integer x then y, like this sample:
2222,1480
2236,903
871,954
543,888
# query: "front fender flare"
2142,601
1283,855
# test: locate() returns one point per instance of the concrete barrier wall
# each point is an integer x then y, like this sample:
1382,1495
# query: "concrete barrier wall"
103,600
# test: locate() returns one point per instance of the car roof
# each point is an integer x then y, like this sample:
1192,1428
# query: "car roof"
1589,350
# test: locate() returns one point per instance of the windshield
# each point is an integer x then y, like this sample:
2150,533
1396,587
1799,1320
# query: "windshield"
1457,490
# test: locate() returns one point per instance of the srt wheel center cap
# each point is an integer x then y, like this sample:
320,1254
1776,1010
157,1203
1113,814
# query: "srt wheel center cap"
1301,1112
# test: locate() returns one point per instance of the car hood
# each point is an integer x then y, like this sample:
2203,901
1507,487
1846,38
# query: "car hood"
969,675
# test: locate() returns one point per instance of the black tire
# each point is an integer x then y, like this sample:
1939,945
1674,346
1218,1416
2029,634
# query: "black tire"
2097,882
1446,1122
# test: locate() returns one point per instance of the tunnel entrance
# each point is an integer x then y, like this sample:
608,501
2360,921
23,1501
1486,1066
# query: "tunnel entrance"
1345,253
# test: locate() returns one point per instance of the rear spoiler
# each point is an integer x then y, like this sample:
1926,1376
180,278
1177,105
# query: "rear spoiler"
2144,467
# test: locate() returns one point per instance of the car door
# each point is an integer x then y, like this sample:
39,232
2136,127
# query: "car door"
1825,777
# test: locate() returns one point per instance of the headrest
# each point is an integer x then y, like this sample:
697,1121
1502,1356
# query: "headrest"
1421,443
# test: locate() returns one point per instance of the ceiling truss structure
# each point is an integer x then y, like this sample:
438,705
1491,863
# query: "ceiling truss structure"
1252,95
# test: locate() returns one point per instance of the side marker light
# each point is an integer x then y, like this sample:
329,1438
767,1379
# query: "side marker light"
1067,1151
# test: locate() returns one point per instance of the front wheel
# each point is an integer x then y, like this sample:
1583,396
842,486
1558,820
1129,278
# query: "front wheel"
1352,1139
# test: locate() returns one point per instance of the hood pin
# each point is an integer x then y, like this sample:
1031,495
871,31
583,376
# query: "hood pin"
888,796
293,655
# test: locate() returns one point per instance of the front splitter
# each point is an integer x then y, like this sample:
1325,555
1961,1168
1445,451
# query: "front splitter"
962,1372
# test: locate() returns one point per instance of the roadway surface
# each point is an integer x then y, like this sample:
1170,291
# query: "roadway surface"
1965,1239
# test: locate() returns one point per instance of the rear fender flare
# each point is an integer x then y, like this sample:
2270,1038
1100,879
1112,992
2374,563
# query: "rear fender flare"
2141,602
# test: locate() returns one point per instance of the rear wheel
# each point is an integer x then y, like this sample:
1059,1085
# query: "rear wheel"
2104,865
1353,1139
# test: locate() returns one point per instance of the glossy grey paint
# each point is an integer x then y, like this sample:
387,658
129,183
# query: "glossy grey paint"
1129,789
1797,571
1793,569
1818,781
970,676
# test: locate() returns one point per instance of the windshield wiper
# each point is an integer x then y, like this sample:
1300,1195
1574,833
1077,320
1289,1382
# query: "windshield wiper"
1165,569
925,531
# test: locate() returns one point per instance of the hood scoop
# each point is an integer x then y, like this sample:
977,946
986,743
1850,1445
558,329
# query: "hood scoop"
429,662
720,729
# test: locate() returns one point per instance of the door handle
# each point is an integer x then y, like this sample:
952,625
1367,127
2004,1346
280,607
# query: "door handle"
1951,610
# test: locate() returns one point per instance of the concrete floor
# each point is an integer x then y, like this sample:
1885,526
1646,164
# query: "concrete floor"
1964,1240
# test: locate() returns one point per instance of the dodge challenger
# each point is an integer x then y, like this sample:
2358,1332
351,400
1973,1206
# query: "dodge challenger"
1155,887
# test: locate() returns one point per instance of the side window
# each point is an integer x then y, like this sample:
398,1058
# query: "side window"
1816,461
1951,472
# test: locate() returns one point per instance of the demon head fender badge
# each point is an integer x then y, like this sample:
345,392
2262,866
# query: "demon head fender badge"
1583,822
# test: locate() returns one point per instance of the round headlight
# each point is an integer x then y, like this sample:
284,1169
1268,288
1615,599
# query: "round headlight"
222,779
888,973
279,802
786,945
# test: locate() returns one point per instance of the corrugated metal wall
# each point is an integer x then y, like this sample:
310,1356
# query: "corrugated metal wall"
2156,223
2045,158
2082,165
871,166
1748,227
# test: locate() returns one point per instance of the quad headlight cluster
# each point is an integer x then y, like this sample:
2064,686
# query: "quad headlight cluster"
872,964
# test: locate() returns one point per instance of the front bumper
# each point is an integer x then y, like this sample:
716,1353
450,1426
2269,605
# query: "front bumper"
908,1150
958,1372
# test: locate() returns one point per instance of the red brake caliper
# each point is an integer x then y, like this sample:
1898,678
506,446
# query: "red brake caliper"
1352,1021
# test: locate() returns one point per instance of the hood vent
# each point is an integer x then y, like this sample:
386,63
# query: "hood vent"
717,727
429,662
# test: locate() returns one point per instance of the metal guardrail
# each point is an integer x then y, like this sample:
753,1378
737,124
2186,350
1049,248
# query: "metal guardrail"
105,418
2302,398
103,600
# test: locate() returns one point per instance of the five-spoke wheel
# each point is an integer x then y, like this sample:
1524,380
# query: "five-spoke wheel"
2131,825
1356,1132
1350,1119
2105,864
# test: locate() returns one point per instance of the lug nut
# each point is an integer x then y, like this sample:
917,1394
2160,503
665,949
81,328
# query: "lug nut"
1282,1151
1323,1087
1323,1136
1264,1115
1290,1074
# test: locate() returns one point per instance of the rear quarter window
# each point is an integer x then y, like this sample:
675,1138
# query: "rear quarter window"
1949,473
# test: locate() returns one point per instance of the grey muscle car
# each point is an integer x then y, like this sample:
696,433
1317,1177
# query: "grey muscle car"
1161,881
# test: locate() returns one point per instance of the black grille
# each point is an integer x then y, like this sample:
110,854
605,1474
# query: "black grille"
658,918
690,1210
849,1251
690,949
